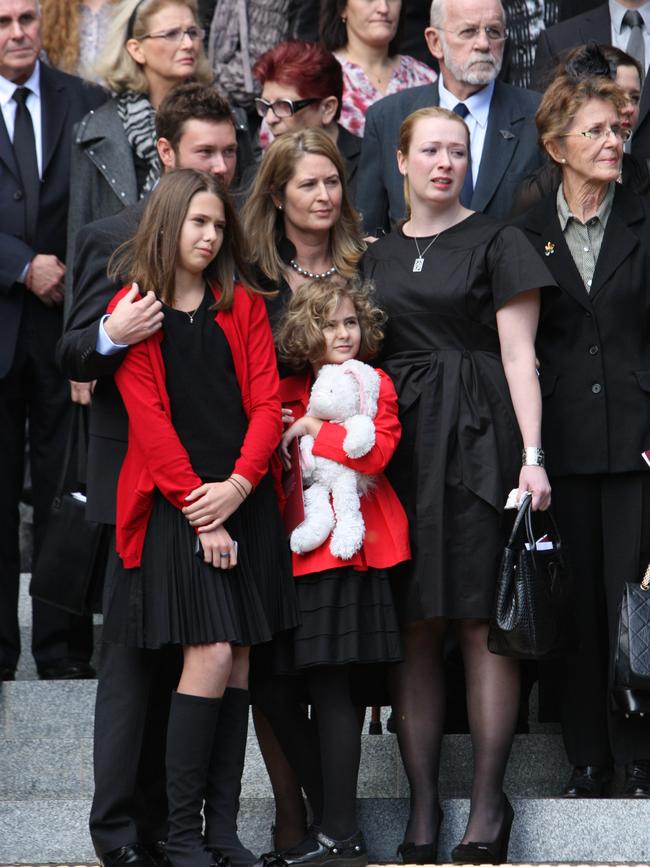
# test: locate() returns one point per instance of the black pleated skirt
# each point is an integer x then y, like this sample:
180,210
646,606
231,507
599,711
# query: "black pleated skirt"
174,597
346,617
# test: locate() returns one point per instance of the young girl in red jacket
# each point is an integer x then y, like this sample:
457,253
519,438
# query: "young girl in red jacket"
198,529
347,617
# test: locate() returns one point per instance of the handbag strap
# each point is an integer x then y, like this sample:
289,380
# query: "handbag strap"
520,520
525,518
645,581
76,436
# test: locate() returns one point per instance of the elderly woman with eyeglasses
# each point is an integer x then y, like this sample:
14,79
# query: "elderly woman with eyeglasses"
593,346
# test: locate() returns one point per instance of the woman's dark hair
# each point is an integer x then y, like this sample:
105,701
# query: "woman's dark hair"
307,66
592,59
150,257
333,32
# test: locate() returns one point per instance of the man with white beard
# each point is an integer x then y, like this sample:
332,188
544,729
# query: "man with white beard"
467,38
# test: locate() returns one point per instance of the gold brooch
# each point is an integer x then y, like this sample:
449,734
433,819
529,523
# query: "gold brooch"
549,248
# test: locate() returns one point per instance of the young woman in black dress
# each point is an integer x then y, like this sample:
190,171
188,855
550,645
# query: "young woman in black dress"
461,293
198,529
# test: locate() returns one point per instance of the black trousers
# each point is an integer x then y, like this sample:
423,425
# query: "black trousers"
34,396
604,521
134,688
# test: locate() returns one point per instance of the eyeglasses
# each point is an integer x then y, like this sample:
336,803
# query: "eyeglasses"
494,33
176,35
283,107
596,133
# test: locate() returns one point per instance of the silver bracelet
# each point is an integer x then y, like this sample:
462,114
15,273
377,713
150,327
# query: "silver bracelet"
532,457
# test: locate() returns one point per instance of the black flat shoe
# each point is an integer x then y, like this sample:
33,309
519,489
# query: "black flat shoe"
495,852
351,852
637,779
588,781
127,856
66,669
422,853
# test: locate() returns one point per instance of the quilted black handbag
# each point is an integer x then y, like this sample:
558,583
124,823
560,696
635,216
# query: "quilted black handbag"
631,681
69,570
532,608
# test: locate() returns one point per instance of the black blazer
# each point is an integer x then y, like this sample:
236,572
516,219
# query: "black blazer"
594,349
65,99
510,152
79,360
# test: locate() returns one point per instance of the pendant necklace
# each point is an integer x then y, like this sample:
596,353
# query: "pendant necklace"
312,276
191,314
419,261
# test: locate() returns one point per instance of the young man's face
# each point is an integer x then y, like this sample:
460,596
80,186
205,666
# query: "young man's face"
205,145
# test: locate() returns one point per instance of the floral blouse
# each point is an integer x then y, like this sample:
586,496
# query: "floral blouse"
359,93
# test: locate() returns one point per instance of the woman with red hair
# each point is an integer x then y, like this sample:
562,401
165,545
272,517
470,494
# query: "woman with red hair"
302,86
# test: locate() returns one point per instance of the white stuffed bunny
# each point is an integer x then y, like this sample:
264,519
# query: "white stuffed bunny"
346,393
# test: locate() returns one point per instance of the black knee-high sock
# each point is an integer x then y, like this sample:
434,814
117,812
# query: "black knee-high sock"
224,779
339,737
190,739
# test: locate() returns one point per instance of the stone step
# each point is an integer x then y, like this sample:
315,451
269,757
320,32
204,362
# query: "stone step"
545,830
46,751
26,669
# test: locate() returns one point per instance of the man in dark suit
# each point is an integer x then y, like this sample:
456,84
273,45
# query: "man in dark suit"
467,39
39,105
606,24
128,818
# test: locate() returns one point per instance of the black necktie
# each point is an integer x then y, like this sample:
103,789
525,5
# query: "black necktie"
468,185
635,45
25,153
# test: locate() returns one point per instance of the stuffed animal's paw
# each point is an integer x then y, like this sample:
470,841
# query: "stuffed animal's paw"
360,437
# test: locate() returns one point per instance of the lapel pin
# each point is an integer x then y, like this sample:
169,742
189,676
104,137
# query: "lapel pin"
549,248
506,134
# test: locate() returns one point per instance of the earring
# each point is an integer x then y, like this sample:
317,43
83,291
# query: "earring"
563,160
280,207
344,19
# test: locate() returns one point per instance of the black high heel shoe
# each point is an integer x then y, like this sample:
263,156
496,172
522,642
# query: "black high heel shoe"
424,853
495,852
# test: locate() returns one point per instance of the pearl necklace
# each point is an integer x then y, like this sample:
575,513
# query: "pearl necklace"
305,273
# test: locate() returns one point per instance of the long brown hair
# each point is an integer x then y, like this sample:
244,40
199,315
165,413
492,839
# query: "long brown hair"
150,257
264,222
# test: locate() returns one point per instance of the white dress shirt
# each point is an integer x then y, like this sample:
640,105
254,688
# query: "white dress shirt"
33,103
478,107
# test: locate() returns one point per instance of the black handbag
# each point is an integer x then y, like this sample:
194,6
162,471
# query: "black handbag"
630,691
532,607
69,570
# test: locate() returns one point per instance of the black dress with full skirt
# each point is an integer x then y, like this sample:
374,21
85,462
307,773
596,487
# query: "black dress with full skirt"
174,597
460,451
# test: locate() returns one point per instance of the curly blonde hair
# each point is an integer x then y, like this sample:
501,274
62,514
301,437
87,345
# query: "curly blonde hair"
299,336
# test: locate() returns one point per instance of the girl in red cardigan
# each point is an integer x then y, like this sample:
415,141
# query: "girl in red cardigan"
346,608
198,527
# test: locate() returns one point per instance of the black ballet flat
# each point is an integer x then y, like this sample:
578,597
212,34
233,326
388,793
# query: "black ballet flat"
495,852
423,853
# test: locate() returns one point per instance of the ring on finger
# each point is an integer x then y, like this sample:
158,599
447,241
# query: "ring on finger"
224,553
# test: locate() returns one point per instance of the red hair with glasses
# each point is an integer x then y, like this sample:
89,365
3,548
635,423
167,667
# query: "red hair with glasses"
306,66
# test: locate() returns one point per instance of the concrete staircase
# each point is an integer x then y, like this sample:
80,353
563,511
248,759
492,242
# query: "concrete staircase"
46,786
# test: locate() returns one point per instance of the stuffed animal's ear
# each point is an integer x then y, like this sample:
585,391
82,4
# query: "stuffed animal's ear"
367,380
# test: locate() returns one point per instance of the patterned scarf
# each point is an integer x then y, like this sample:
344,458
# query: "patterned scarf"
138,119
